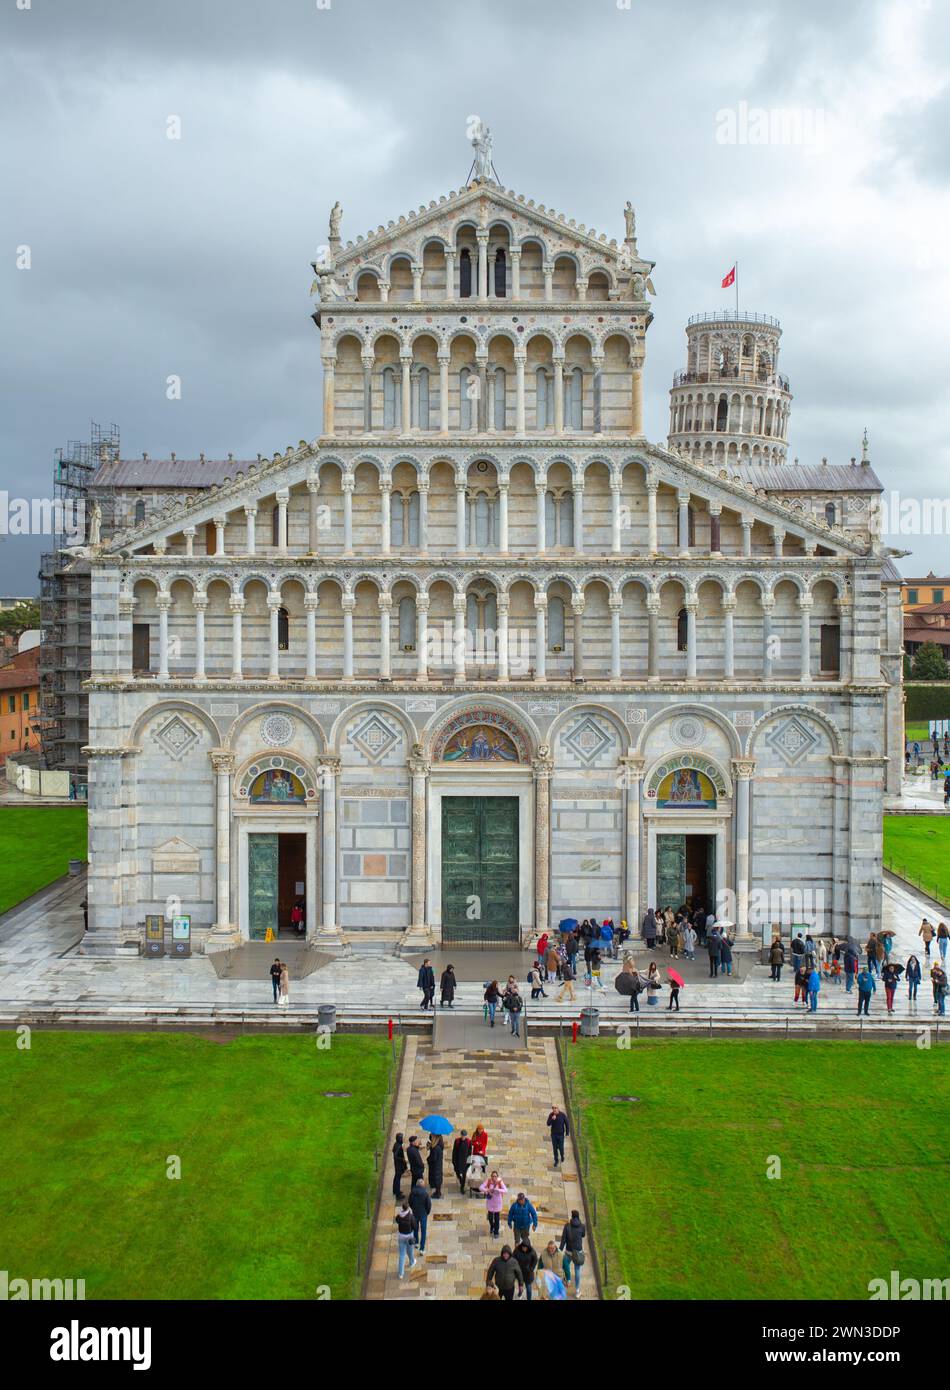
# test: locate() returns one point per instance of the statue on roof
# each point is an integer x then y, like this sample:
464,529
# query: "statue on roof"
95,525
630,218
336,217
482,144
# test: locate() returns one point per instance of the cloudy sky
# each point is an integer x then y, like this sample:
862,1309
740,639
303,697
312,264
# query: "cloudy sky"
151,256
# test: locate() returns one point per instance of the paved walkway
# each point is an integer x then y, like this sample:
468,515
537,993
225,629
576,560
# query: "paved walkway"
511,1095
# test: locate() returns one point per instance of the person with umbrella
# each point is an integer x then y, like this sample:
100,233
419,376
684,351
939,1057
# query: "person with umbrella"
676,984
891,976
461,1153
631,984
435,1150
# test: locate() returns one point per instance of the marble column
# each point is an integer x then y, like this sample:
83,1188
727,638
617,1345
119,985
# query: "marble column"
200,602
632,781
406,363
347,485
328,366
481,402
768,606
124,661
329,773
443,394
543,770
579,516
653,618
222,763
313,489
778,542
636,401
503,605
652,489
449,274
558,395
519,396
743,769
419,773
348,603
747,536
458,639
503,515
597,394
482,239
283,499
237,608
615,486
219,524
615,603
729,636
804,608
311,603
163,603
540,636
682,499
417,284
385,499
690,604
548,272
273,604
423,490
846,638
515,272
577,607
385,602
189,535
715,540
460,538
422,636
540,491
250,513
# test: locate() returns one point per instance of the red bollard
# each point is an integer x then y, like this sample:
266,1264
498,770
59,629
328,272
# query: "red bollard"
390,1030
574,1031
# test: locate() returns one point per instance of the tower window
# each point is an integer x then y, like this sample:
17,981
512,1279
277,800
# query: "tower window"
283,630
465,274
556,625
500,267
681,630
830,513
407,624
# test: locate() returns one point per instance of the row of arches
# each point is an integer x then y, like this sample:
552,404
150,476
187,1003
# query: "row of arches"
722,413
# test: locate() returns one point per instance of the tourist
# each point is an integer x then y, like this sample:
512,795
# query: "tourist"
798,951
572,1243
492,996
513,1006
851,963
284,985
607,938
527,1258
447,985
943,938
675,988
567,976
912,976
673,939
505,1272
801,985
866,987
891,976
522,1217
777,958
296,917
559,1127
690,940
275,978
421,1204
536,982
926,933
623,933
573,946
399,1166
435,1150
810,952
654,983
946,789
426,982
938,982
494,1190
541,951
554,960
405,1236
595,969
714,948
725,951
480,1141
549,1273
648,928
886,939
461,1153
417,1166
814,985
871,953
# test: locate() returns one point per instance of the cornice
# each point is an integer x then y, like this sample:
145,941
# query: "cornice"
569,691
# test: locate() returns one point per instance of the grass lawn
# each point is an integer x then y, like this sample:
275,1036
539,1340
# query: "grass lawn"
684,1204
918,848
36,845
921,731
271,1202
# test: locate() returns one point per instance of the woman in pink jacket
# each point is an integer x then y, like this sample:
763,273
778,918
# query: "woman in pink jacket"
494,1190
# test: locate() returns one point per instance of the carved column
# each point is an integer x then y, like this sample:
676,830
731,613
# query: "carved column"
329,773
385,498
577,606
273,604
598,382
653,617
682,499
543,770
406,363
422,636
367,394
768,605
419,773
313,488
347,485
729,637
746,536
250,514
519,396
548,270
653,488
348,603
311,603
804,608
458,639
636,400
558,395
503,515
515,272
460,517
541,491
449,274
616,484
579,515
124,659
482,239
423,490
846,637
715,541
742,768
237,608
502,601
200,602
690,604
222,761
615,603
189,535
632,782
283,498
778,542
443,393
385,602
417,283
540,636
163,603
219,524
328,366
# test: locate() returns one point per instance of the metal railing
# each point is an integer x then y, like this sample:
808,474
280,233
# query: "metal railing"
732,374
930,886
733,316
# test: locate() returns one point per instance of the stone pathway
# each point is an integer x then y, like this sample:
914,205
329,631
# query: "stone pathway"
510,1093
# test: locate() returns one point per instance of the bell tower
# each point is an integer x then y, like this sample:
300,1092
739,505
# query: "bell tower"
731,404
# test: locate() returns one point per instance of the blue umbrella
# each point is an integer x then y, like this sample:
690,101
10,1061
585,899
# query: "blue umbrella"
567,924
436,1124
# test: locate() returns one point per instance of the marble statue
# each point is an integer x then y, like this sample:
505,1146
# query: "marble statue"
336,217
95,525
630,218
482,143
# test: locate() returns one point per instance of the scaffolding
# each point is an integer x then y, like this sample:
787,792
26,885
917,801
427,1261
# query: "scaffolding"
66,601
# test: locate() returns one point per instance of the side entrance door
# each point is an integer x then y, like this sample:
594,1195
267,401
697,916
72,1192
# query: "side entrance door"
479,869
670,871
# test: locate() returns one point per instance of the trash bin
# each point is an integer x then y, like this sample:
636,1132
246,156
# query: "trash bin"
590,1023
653,997
326,1017
76,867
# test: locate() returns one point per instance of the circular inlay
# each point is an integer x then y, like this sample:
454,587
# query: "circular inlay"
277,730
687,730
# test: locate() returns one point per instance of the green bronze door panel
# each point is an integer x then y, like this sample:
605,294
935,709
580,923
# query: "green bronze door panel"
670,871
262,885
480,868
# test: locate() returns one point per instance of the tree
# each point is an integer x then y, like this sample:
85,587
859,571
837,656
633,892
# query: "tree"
21,618
928,663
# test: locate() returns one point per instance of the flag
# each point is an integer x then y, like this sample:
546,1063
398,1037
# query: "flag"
730,279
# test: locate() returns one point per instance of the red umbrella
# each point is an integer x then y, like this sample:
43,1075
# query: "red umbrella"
677,979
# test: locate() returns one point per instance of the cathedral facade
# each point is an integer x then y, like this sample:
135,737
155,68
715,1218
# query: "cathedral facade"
480,656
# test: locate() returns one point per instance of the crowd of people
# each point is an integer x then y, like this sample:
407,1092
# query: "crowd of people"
518,1268
833,961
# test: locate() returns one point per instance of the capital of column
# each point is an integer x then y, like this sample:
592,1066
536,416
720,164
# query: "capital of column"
805,602
541,488
329,361
768,602
743,768
422,485
330,767
419,767
578,604
199,601
250,509
691,603
615,603
368,363
729,602
515,253
547,267
845,603
682,497
747,522
653,485
422,603
521,353
715,509
634,766
542,767
274,602
348,603
190,532
502,603
459,603
161,545
616,483
504,484
311,602
385,602
163,602
540,602
405,359
222,760
482,236
236,605
385,483
347,483
127,604
460,485
578,488
653,603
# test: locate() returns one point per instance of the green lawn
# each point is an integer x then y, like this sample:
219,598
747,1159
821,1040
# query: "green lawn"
684,1204
918,848
36,845
271,1202
921,732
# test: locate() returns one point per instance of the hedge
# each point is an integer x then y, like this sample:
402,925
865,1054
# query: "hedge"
927,700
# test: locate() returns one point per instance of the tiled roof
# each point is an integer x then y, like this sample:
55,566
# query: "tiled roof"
22,672
809,477
174,473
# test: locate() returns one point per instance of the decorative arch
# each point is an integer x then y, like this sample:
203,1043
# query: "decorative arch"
276,779
801,712
366,707
494,716
175,707
702,712
274,707
674,765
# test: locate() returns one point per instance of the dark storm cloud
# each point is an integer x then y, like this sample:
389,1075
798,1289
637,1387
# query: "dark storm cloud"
153,257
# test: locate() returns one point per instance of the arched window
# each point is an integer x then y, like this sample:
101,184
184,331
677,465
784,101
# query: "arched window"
501,399
830,513
690,527
421,398
275,527
574,399
746,347
681,630
283,630
467,388
392,398
565,520
413,519
542,398
556,624
139,511
500,267
472,637
465,274
722,414
550,520
397,519
482,526
407,624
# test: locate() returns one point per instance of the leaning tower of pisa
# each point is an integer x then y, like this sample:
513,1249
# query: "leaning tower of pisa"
731,404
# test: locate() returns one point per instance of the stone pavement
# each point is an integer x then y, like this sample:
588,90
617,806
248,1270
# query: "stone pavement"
510,1094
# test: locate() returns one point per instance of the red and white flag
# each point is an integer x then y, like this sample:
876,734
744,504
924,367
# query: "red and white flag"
730,279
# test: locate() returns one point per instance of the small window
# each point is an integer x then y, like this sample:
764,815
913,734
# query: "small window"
283,630
830,648
407,624
465,274
556,624
141,658
413,518
722,415
275,527
421,401
937,596
830,513
500,267
912,596
26,700
11,704
139,511
682,629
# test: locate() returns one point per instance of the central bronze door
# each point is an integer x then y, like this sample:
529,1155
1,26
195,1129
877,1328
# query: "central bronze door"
480,869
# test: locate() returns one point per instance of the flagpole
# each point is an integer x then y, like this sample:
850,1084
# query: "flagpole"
737,289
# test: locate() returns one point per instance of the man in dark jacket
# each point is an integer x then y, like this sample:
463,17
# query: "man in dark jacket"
426,982
572,1243
420,1204
527,1258
559,1127
417,1164
713,946
461,1153
505,1271
777,958
399,1166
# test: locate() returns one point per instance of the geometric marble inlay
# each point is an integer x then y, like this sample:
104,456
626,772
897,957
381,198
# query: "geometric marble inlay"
587,740
374,737
792,740
277,730
687,731
176,737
